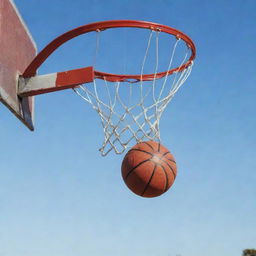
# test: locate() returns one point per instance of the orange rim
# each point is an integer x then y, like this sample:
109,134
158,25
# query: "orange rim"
100,26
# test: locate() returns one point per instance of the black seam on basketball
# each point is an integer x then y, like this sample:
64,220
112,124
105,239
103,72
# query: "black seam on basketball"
167,181
140,150
136,167
159,145
170,160
174,175
163,156
149,145
146,187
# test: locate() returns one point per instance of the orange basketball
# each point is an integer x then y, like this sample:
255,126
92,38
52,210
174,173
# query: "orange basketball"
149,169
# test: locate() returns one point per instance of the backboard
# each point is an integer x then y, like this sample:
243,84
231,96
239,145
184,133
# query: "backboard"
17,51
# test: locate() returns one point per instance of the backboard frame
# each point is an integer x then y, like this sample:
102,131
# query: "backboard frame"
18,49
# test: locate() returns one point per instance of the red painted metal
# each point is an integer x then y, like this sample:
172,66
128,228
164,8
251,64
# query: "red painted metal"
73,78
100,26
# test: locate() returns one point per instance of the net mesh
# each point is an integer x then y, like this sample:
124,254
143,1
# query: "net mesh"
130,111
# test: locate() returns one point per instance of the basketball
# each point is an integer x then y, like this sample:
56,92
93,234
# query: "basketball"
149,169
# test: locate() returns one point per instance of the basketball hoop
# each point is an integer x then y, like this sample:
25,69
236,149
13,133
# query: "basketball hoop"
126,123
129,105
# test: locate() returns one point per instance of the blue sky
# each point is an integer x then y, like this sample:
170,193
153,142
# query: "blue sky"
59,197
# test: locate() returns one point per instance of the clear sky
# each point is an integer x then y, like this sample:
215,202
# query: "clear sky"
59,197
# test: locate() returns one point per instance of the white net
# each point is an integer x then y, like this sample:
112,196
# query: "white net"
130,112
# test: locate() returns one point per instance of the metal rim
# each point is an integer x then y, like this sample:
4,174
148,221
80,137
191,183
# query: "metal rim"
100,26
